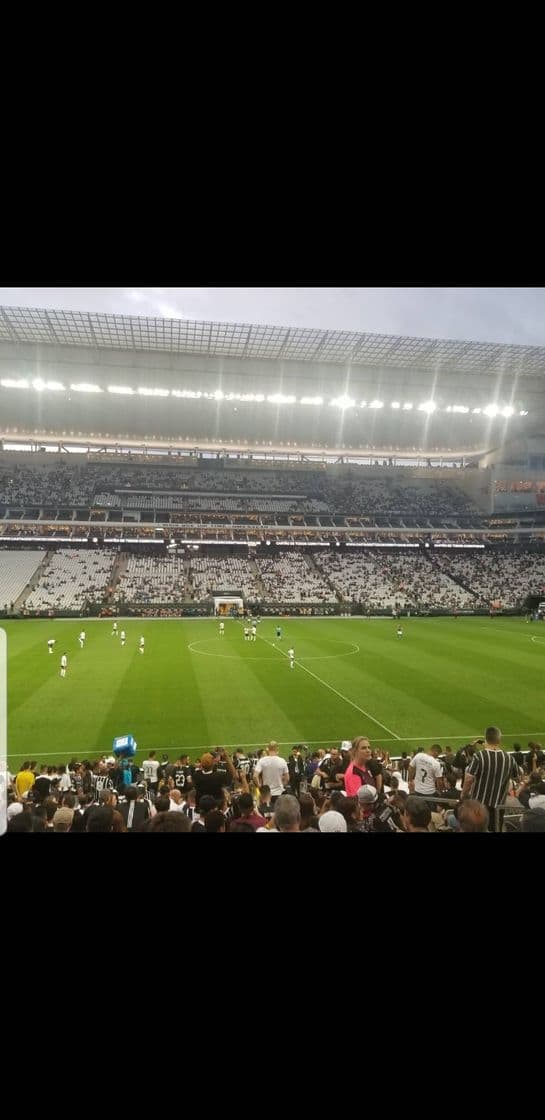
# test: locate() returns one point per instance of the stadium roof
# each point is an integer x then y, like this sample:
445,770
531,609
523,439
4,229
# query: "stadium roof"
246,340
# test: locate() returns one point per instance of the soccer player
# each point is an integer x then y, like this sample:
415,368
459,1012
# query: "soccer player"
141,644
254,632
81,638
399,632
222,629
246,633
122,637
50,644
279,633
114,630
64,663
291,655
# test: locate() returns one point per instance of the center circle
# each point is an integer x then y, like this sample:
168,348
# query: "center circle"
353,649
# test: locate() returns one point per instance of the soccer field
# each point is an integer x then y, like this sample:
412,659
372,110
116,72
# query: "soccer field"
444,680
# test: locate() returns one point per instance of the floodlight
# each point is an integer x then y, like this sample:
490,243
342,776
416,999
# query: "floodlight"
14,383
343,401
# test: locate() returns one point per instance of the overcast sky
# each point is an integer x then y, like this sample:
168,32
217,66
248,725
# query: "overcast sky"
476,314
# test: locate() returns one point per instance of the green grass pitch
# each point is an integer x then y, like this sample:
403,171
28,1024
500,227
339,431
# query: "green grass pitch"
445,680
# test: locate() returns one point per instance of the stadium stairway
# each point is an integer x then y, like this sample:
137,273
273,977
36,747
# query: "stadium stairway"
455,579
316,568
121,564
257,576
36,577
189,588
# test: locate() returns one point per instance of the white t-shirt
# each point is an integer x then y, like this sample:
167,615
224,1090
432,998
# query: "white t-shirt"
150,768
51,641
271,768
427,770
82,636
141,641
63,661
123,635
291,653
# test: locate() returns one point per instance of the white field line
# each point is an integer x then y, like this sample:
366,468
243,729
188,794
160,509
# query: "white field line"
282,743
335,690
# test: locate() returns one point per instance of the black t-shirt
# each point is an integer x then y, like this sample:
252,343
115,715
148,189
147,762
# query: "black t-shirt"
226,778
453,794
42,786
374,767
209,782
334,769
182,776
461,760
134,813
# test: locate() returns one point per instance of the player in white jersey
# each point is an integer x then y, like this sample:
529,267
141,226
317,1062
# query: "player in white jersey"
81,638
122,637
114,630
399,632
291,655
222,629
64,663
246,634
141,644
50,644
254,631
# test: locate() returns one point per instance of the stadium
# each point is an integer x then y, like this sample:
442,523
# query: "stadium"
218,536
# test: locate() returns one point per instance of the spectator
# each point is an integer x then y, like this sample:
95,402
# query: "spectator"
488,775
331,821
426,773
272,771
536,757
101,819
287,814
209,781
168,822
62,820
214,821
248,812
25,780
416,814
309,817
134,811
472,816
358,772
533,821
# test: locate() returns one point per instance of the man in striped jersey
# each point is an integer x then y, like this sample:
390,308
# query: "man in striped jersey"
488,775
